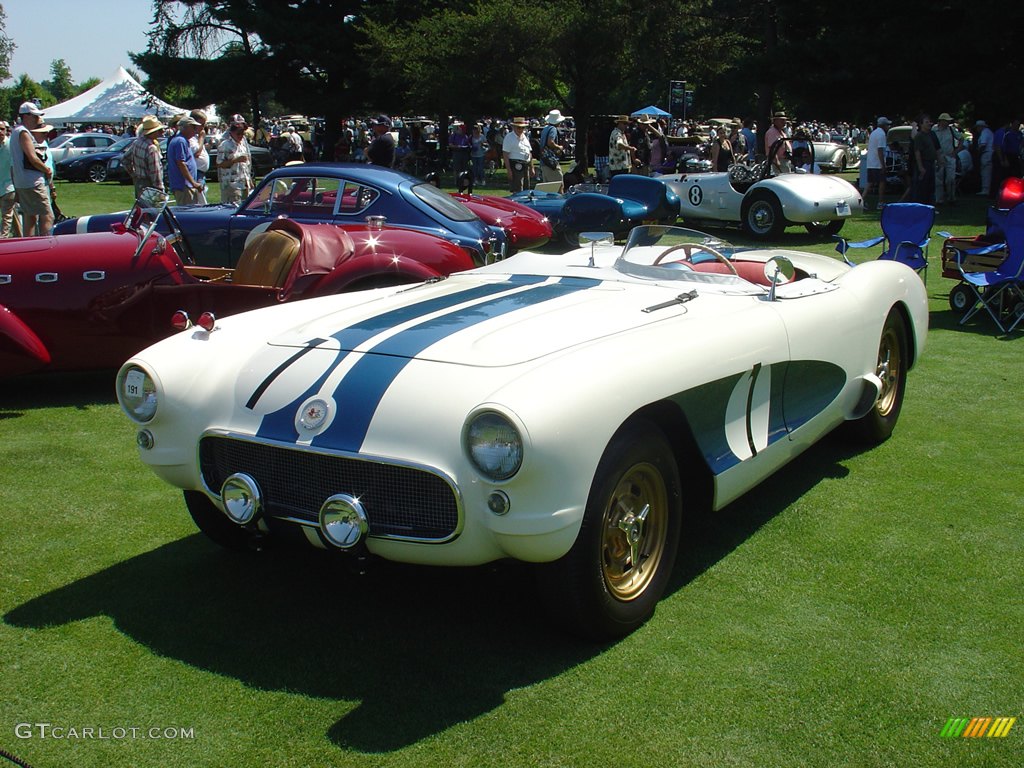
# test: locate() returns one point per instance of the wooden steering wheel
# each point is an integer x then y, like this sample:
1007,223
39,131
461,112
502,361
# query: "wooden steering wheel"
689,248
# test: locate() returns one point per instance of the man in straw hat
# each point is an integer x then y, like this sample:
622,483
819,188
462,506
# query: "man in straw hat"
775,136
550,150
950,144
516,151
142,158
621,154
31,174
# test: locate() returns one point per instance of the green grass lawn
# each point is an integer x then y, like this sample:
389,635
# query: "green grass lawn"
837,615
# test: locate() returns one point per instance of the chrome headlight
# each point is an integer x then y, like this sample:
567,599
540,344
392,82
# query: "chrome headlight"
136,391
494,445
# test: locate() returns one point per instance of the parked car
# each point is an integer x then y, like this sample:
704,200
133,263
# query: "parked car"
627,200
765,204
524,227
91,166
92,300
836,156
262,163
566,411
69,145
336,193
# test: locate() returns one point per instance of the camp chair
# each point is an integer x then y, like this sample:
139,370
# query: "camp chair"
906,231
999,292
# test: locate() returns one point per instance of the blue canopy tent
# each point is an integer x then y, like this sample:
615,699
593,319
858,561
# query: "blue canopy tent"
651,111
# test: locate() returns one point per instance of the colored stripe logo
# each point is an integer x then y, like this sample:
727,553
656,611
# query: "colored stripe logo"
977,727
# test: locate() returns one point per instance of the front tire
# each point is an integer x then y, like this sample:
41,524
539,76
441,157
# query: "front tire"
609,583
762,215
98,172
961,298
893,362
215,524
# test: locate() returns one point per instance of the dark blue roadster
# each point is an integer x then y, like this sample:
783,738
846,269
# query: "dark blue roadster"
335,193
630,200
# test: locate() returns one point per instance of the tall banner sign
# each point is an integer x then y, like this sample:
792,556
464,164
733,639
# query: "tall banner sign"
677,98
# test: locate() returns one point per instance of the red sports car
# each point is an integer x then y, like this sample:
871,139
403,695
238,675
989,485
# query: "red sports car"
92,300
524,227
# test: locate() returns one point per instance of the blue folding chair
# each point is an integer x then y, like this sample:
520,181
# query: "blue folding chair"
1000,292
906,232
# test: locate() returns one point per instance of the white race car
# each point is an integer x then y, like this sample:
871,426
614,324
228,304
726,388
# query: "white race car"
566,411
763,204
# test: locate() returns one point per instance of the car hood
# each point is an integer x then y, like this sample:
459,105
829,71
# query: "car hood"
480,320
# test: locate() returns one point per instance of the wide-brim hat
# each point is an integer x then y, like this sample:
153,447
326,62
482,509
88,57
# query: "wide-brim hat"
946,116
645,120
622,119
779,116
520,121
42,128
150,125
554,117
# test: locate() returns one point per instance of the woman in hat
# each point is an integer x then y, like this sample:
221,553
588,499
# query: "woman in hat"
142,159
550,150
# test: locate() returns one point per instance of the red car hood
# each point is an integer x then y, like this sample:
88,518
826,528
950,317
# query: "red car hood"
524,227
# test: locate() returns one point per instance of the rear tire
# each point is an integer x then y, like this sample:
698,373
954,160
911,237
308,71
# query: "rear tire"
824,228
893,362
762,215
611,580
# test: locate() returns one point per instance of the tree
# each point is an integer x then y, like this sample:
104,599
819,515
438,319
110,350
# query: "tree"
7,47
60,83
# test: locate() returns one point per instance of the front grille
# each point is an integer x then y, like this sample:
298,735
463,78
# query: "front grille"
399,500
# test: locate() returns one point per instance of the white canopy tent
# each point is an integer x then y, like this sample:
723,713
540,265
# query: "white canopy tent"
118,99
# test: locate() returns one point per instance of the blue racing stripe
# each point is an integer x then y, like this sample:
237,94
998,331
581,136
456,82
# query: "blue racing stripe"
361,390
280,424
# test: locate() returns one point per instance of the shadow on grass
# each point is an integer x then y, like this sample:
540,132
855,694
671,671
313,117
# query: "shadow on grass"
420,649
56,390
981,325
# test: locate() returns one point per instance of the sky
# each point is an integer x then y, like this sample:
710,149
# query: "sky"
92,36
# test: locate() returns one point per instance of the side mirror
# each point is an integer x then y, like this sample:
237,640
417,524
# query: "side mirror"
778,270
604,238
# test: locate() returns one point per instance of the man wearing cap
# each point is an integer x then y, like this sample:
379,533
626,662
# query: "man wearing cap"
30,173
950,143
877,143
621,154
775,136
198,146
142,158
181,163
382,147
234,163
984,143
7,195
550,150
515,149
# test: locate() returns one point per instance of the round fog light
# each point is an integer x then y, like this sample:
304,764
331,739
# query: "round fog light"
144,439
343,520
241,497
498,503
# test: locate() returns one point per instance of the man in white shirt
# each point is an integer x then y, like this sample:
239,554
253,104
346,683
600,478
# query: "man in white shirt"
515,149
875,160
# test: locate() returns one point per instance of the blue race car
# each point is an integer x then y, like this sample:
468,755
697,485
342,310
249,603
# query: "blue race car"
630,200
333,193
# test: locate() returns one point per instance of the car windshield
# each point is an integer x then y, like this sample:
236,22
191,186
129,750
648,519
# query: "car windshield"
675,253
120,144
60,140
443,203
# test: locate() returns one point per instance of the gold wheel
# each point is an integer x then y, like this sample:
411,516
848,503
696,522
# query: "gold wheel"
634,529
890,365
